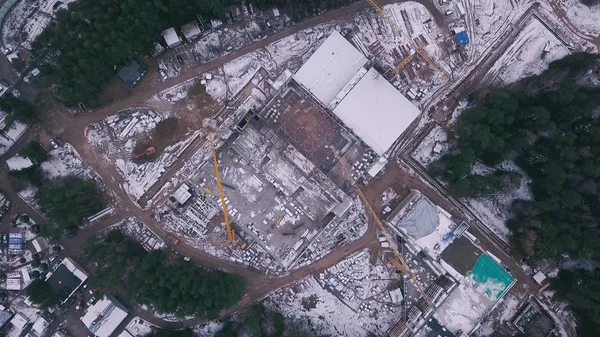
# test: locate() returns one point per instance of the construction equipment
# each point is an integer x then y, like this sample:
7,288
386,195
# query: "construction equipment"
399,263
149,151
381,12
407,59
230,232
418,49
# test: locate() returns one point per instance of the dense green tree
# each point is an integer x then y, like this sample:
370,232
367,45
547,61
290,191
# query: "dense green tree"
35,152
94,38
68,202
172,333
169,285
39,292
17,110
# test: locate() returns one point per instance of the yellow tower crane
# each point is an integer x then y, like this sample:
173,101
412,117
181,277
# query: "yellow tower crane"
230,232
381,12
399,263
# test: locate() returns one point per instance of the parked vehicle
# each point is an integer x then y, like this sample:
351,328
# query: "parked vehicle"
180,59
53,144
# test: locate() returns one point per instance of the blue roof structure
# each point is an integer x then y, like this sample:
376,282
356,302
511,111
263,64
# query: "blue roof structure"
462,38
131,73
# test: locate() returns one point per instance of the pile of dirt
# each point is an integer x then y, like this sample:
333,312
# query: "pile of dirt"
167,132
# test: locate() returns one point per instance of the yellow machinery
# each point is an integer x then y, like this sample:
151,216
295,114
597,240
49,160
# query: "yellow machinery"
381,12
407,59
398,262
230,232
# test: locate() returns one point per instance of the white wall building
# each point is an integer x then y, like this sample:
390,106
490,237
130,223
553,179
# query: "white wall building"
171,38
104,316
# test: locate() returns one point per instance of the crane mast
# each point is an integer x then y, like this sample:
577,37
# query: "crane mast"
230,231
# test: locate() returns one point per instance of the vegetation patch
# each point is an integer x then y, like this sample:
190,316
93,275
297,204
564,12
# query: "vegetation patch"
548,125
170,285
68,202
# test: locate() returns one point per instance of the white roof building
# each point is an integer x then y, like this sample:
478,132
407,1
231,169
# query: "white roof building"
182,194
17,163
376,111
39,326
171,37
19,321
39,244
14,281
539,277
330,68
104,316
191,30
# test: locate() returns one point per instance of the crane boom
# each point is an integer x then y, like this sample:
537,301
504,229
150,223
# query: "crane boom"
400,263
230,232
381,12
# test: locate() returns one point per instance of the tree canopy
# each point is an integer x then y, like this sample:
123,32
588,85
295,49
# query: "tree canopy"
35,152
549,127
169,285
41,293
94,38
17,110
68,202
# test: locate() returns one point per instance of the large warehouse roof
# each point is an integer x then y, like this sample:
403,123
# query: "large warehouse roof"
376,112
330,68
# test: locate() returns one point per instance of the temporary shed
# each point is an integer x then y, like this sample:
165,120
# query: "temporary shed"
191,30
330,68
171,38
462,38
18,163
376,111
132,73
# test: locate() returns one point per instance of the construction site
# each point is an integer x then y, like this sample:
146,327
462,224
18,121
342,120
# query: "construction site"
299,158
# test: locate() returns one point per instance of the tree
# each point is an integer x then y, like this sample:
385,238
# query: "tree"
35,152
17,110
41,293
547,125
69,202
149,278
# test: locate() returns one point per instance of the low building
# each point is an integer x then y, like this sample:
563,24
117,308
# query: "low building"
19,321
103,318
171,38
132,73
39,245
16,241
191,30
18,163
14,281
5,316
539,277
66,279
182,195
39,327
462,38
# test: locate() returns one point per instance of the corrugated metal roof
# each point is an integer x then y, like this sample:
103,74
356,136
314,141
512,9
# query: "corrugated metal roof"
330,68
376,111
